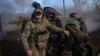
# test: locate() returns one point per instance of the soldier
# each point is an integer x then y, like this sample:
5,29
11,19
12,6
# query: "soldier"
81,22
75,26
35,34
87,48
54,41
35,5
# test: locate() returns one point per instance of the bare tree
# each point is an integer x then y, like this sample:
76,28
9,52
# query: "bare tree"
78,4
45,2
96,6
95,3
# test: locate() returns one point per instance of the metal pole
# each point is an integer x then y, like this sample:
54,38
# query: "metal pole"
64,7
1,30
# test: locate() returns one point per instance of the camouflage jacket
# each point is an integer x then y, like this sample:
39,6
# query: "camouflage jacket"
73,26
74,22
37,32
82,25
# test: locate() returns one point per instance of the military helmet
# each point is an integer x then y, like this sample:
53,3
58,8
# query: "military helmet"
39,10
72,14
36,5
50,10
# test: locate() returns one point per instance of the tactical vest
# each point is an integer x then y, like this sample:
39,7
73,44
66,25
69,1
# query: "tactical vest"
39,33
74,22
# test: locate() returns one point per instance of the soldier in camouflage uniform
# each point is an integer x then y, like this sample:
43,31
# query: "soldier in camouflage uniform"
35,34
54,41
84,45
75,26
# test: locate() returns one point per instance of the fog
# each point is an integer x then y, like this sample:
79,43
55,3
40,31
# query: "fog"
88,9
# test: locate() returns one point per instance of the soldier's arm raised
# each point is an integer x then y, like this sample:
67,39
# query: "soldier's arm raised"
56,29
25,35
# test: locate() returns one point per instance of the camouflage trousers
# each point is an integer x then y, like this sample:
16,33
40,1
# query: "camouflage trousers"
66,53
52,51
80,50
39,51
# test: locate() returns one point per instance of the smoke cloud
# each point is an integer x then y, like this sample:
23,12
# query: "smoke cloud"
9,9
